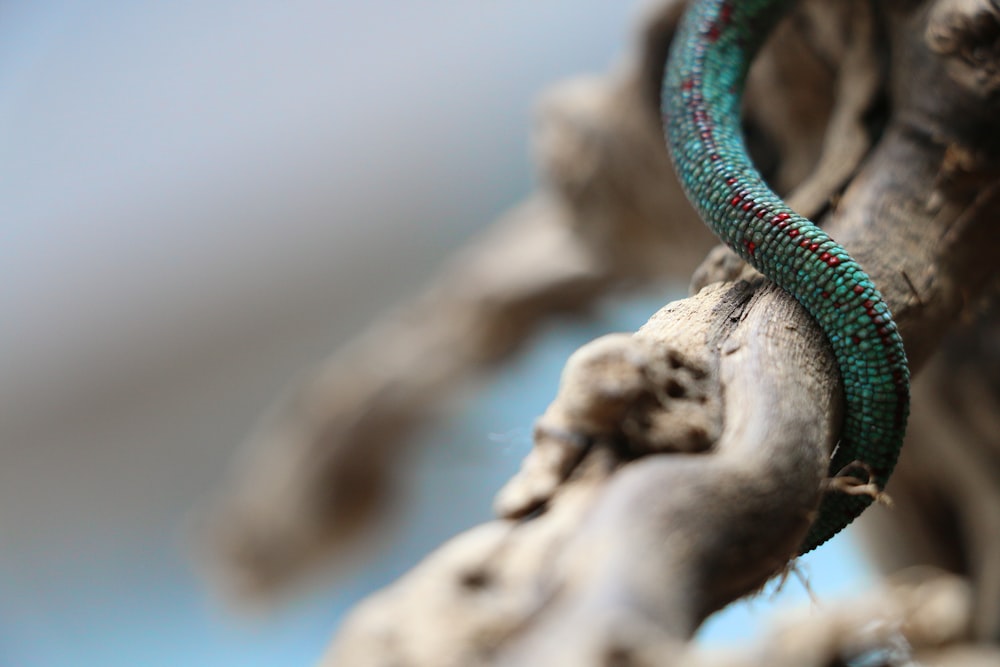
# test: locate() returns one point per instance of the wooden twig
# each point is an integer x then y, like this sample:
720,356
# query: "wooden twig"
678,468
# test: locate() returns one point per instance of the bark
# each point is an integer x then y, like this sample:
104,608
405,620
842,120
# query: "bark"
678,468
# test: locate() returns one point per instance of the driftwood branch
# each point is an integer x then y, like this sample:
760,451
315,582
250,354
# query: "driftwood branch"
655,542
609,215
678,468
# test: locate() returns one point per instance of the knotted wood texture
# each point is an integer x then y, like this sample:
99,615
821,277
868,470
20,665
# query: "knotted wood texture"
677,468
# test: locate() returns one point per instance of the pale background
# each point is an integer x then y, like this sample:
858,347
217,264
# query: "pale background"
198,200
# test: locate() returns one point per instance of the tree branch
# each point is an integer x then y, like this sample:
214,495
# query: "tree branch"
677,469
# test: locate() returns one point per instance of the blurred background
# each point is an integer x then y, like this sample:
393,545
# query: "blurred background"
199,200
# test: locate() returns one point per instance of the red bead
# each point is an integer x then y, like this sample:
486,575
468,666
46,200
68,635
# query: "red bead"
725,13
858,289
833,261
793,233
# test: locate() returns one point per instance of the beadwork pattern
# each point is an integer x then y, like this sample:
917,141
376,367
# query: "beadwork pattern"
702,90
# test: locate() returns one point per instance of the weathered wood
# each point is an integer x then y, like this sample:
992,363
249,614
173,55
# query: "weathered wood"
677,468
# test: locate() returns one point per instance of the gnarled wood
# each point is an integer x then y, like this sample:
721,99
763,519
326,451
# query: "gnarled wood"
677,468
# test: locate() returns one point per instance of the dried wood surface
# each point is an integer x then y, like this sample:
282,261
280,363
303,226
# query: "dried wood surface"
677,468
